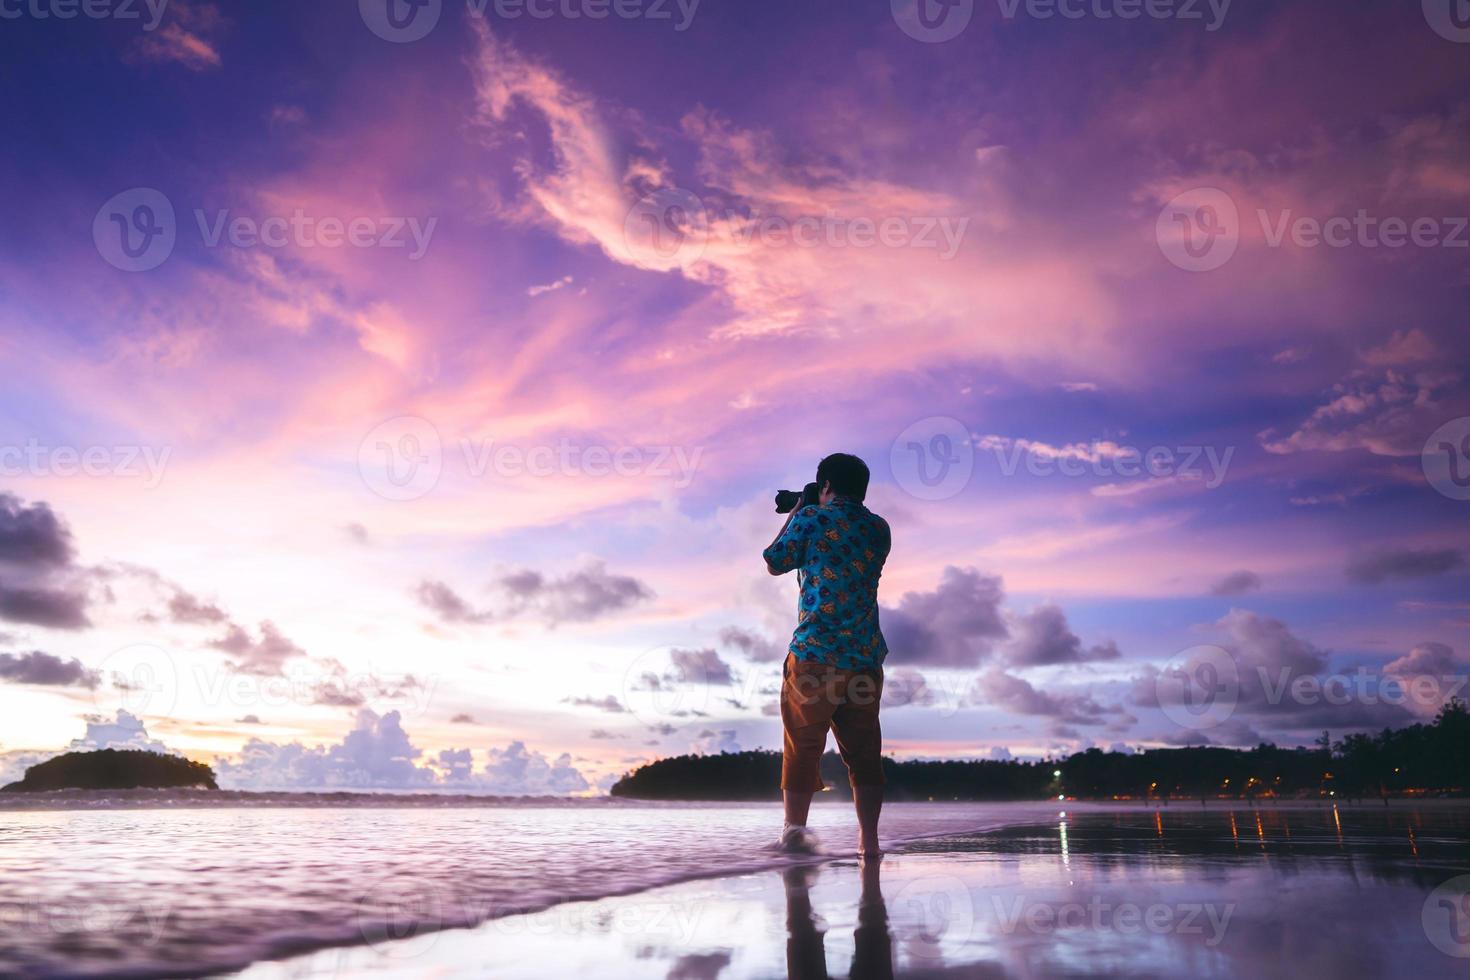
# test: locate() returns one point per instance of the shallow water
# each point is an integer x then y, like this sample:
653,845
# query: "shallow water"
1291,893
170,888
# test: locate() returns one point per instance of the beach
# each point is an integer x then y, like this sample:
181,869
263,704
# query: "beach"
684,890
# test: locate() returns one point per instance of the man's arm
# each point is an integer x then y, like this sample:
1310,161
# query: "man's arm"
788,549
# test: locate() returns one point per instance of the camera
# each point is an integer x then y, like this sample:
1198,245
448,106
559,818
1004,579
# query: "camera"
787,500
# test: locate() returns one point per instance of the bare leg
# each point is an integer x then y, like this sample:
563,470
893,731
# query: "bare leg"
798,804
868,800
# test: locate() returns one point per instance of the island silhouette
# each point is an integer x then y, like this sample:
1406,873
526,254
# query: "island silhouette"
114,769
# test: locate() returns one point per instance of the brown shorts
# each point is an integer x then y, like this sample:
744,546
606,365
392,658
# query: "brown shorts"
816,697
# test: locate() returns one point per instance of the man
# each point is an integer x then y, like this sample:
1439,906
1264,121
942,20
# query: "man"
833,674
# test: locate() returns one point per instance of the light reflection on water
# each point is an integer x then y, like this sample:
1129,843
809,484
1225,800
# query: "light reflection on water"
183,890
1311,892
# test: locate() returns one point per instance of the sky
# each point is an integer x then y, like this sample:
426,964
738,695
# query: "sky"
395,395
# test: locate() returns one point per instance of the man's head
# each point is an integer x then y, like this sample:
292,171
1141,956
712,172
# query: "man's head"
842,475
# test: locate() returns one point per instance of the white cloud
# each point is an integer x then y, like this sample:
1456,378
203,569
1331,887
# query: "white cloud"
379,754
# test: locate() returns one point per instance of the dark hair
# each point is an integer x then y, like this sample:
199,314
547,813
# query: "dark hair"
847,474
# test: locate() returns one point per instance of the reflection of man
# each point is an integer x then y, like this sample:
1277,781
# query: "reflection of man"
872,944
833,675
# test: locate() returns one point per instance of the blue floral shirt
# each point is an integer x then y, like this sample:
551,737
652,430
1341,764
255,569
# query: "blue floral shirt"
839,550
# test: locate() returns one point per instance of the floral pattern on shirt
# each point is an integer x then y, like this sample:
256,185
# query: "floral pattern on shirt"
838,551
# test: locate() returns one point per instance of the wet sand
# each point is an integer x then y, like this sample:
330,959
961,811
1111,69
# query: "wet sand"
1276,891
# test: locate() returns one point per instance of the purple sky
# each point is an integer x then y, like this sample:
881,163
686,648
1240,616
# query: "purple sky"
397,400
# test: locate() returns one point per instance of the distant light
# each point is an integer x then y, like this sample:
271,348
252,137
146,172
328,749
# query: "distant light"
1056,774
1063,814
1061,796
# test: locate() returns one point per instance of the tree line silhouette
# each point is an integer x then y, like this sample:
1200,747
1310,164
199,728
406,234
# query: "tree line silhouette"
1422,759
114,769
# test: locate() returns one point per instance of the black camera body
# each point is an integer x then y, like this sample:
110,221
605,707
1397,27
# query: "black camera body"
786,500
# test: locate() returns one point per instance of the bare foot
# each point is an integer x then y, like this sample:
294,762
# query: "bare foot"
797,840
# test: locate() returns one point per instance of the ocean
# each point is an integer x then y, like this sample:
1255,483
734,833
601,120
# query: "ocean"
162,886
